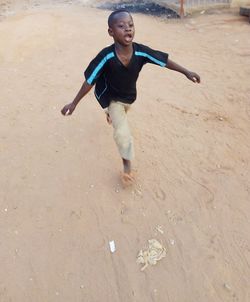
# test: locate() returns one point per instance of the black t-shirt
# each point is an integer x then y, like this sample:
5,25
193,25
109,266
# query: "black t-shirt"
113,80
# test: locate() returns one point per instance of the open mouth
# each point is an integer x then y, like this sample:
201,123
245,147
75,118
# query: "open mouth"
128,37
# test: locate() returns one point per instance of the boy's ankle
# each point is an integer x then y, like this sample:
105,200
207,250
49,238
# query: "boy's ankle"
126,166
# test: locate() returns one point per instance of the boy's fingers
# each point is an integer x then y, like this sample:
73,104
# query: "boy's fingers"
64,111
196,79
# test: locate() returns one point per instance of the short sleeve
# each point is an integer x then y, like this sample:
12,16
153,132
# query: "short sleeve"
96,67
152,56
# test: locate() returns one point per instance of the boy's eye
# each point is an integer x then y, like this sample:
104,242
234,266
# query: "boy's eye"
131,25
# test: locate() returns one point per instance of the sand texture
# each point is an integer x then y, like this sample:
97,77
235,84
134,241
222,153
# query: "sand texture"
61,199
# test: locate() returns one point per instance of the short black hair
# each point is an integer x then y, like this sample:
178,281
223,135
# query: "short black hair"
114,13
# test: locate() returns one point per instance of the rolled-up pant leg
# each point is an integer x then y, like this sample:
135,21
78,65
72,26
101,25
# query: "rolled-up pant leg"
122,134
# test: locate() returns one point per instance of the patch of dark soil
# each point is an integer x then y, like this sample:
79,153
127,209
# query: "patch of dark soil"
139,6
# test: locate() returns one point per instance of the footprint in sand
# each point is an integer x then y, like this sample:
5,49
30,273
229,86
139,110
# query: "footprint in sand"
160,194
174,218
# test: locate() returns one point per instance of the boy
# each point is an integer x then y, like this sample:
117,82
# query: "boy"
114,72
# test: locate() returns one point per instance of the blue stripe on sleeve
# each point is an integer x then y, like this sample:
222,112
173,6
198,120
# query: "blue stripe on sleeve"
143,54
99,67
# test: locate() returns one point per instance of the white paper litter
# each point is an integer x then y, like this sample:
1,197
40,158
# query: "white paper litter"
112,246
155,252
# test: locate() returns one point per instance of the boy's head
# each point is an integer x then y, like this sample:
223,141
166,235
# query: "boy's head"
121,27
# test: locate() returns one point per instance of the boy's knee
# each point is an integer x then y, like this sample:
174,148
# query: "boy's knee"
122,138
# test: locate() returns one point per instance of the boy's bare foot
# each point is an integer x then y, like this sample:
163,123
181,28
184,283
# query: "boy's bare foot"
108,118
127,179
127,176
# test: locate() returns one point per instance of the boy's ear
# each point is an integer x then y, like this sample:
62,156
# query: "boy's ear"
110,31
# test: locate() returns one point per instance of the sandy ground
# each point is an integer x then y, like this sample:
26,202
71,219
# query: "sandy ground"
61,200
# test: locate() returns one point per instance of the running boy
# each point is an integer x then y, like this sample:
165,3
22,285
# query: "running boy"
114,72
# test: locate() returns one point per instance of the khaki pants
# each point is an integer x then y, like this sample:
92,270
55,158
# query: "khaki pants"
122,136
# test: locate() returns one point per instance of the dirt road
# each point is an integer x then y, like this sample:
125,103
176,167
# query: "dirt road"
61,200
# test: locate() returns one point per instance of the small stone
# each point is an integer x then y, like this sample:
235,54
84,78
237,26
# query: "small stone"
138,192
159,229
226,286
82,286
172,241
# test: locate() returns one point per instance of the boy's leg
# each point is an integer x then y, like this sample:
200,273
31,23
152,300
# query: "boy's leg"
122,135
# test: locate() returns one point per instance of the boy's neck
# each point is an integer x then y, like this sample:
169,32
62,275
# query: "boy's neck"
123,49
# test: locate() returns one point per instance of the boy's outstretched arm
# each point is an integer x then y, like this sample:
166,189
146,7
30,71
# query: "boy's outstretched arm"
192,76
69,108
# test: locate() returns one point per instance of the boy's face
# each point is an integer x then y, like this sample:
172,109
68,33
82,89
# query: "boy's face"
122,29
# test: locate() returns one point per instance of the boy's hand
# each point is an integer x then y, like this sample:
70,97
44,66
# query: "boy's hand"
192,76
68,109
